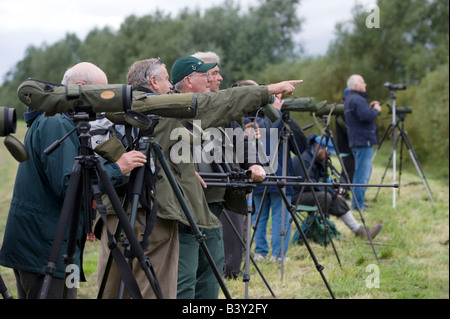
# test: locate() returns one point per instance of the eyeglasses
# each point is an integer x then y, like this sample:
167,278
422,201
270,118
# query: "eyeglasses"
207,74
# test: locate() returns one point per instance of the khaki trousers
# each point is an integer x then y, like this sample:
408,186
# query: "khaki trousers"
162,252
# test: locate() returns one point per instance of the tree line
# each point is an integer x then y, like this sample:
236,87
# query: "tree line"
410,46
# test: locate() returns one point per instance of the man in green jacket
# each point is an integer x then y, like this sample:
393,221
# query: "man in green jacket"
214,109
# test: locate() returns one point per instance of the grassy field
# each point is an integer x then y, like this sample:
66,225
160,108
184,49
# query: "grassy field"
412,249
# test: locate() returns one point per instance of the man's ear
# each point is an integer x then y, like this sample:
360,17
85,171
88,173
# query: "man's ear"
154,83
187,81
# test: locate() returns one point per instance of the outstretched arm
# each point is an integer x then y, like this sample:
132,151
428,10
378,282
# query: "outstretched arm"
285,87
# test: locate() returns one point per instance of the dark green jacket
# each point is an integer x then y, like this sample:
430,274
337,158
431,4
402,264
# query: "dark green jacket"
214,110
39,192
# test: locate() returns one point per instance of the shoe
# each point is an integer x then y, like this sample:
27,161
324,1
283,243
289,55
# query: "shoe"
373,232
275,259
259,257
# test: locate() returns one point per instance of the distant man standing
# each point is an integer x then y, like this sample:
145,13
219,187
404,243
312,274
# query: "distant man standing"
362,134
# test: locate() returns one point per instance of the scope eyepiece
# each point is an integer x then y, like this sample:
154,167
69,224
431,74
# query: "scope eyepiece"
8,121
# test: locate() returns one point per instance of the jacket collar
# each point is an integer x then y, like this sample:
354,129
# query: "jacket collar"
146,89
30,116
359,93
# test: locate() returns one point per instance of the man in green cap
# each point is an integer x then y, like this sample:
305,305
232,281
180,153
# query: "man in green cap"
190,74
195,276
213,109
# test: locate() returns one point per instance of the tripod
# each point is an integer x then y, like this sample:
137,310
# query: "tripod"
288,132
279,184
402,136
245,244
3,289
329,136
152,147
86,171
286,135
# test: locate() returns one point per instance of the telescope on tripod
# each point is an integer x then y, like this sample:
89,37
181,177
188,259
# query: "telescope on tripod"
397,122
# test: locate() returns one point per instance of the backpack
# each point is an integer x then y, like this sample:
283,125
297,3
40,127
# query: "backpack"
314,230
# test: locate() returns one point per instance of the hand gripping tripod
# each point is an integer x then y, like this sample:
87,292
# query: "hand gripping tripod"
83,187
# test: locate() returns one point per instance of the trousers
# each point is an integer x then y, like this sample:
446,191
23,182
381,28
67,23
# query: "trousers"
196,278
162,252
363,171
272,204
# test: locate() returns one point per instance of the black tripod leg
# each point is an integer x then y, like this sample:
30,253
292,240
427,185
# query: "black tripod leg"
4,290
70,201
128,230
413,155
319,267
247,276
71,247
316,201
258,216
198,235
385,134
351,190
117,234
138,180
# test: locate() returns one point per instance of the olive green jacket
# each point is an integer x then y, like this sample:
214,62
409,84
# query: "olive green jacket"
213,110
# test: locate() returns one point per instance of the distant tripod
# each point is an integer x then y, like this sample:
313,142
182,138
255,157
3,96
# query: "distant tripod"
402,136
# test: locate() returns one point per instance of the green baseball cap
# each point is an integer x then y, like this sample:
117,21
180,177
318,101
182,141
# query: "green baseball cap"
186,65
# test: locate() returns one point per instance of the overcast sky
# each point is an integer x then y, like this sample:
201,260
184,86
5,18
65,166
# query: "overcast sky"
34,22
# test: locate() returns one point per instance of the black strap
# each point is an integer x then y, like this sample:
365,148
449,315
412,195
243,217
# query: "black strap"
122,265
149,203
147,195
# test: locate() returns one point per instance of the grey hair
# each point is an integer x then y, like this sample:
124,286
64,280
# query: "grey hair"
352,81
208,56
141,72
179,86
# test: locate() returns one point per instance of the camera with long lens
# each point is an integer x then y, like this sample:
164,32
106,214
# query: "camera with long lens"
8,125
309,105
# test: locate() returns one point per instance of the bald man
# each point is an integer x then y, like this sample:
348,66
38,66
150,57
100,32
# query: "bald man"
39,192
362,134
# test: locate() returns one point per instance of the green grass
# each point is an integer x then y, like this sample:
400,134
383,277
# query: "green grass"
412,248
